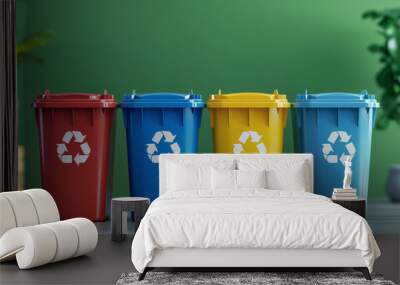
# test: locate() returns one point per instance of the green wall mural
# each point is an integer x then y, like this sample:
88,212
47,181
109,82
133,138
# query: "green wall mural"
179,45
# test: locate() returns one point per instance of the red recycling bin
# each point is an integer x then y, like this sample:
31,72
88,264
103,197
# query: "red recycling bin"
74,136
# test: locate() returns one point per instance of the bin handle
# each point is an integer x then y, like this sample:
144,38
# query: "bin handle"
46,94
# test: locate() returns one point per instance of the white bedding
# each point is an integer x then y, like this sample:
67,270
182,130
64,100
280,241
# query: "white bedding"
250,218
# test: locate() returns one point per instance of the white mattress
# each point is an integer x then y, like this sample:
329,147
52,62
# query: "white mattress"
251,219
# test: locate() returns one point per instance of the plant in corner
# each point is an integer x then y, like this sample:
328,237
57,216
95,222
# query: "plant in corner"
388,78
24,48
24,51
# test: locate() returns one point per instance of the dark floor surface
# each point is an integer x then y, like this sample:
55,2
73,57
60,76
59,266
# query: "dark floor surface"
110,259
103,266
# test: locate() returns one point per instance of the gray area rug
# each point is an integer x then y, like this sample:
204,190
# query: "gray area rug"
229,278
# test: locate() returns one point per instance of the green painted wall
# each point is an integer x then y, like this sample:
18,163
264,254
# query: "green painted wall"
178,45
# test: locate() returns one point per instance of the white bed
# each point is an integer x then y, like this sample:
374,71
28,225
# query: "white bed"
248,227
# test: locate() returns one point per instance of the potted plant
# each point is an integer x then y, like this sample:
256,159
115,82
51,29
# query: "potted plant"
388,78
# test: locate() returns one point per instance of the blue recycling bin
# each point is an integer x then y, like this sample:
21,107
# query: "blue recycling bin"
158,123
334,127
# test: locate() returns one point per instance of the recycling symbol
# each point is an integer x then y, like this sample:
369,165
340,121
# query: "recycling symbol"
169,138
255,138
327,148
79,158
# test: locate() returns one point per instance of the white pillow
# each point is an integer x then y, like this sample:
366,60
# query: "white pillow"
251,178
223,179
292,179
282,174
182,177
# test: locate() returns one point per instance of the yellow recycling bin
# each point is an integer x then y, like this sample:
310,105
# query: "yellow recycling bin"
248,122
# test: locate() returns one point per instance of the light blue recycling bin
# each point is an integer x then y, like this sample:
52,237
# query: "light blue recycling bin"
333,127
158,123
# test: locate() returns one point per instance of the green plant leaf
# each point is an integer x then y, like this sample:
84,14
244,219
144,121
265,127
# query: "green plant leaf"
33,41
376,48
385,77
384,23
371,15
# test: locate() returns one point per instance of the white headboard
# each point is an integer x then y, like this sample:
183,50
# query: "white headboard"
212,158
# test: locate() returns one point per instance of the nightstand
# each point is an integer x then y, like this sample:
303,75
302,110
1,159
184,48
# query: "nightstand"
119,214
358,206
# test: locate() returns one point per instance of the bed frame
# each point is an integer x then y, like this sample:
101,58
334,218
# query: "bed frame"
242,259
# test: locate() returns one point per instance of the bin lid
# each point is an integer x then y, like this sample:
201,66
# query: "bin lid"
248,100
336,99
162,100
75,100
